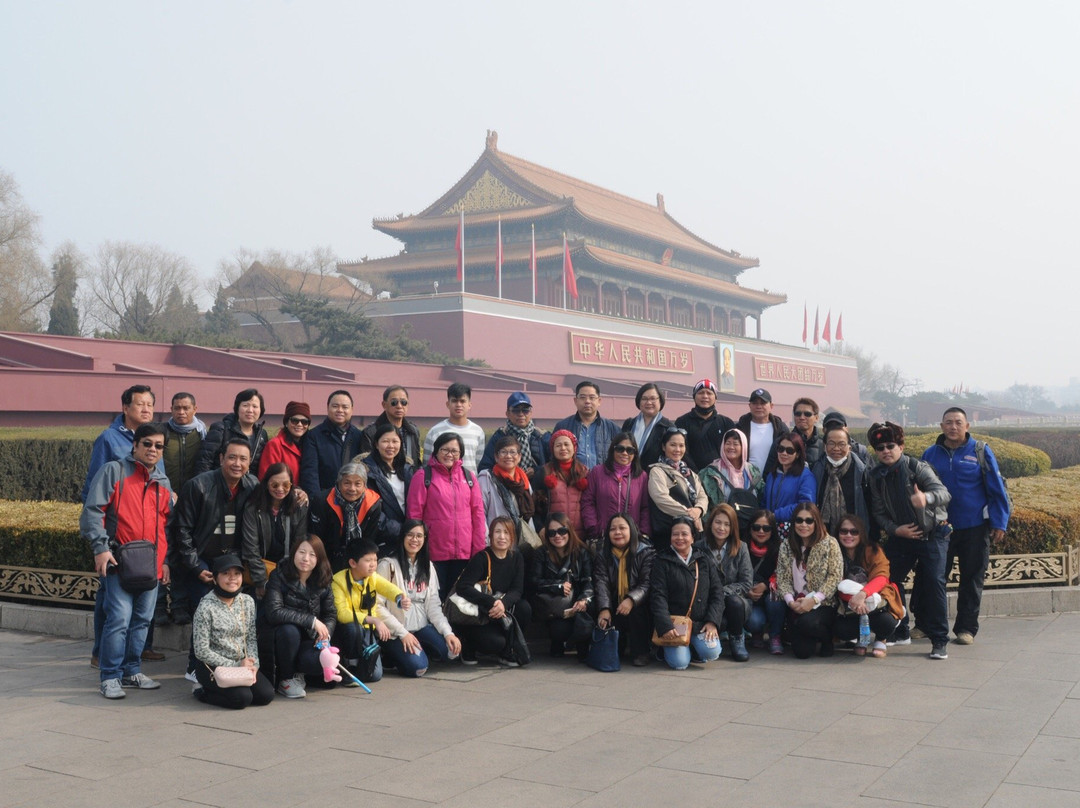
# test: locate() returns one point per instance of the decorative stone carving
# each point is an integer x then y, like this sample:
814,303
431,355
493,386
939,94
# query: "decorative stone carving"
488,193
55,586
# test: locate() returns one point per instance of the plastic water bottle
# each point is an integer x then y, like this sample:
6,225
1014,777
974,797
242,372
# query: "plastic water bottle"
864,630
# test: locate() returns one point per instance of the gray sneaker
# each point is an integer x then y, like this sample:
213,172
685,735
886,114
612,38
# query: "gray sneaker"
111,689
140,681
939,651
292,688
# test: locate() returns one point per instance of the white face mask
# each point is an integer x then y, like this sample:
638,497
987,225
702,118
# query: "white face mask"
836,463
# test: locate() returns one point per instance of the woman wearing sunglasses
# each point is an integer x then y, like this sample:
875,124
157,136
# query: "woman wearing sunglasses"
618,485
767,610
285,446
560,575
865,589
791,482
674,490
809,568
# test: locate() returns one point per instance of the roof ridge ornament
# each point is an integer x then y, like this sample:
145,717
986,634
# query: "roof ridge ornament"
660,202
492,140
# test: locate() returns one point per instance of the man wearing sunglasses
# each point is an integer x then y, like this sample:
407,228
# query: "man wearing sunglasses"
910,503
128,500
805,412
532,443
395,406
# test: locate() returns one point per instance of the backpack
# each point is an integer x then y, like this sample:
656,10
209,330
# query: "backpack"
984,467
427,476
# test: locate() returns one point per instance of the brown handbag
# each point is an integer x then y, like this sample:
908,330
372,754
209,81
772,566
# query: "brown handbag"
684,626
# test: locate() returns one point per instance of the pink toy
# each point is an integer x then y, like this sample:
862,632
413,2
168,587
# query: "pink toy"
330,659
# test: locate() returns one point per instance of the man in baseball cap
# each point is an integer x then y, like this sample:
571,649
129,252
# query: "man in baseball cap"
532,443
763,430
704,426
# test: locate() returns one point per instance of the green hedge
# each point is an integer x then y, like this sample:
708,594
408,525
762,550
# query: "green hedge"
43,534
1014,459
1062,445
43,469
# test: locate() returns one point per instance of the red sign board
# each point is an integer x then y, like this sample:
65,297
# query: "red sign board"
595,349
770,369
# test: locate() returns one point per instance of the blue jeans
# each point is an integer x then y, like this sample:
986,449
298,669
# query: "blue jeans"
678,657
931,555
127,617
767,613
432,645
352,639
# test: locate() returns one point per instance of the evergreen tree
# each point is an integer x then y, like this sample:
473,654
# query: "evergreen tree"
63,314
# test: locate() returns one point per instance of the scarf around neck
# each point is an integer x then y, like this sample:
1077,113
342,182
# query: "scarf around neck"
832,498
523,436
623,579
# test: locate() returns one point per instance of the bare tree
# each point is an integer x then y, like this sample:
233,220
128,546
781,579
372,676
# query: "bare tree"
132,286
25,286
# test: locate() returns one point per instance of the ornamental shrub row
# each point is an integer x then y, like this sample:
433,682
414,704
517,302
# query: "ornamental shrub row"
1062,445
43,469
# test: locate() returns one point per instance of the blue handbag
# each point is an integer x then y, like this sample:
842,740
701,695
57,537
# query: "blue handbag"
603,652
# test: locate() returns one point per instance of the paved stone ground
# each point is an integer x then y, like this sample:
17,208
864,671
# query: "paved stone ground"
997,724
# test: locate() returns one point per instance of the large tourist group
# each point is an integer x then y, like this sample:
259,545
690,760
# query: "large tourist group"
328,554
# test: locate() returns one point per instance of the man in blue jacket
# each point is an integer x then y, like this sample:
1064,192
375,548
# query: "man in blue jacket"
115,442
978,512
593,431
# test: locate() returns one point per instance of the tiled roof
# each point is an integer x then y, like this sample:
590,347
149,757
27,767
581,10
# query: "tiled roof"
334,287
414,224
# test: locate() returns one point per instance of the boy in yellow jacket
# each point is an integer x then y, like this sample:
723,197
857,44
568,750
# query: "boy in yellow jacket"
359,623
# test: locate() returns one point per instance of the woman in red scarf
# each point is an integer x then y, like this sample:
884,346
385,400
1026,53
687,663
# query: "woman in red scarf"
505,487
560,483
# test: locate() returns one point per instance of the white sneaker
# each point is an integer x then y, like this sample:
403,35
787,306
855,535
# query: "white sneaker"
190,676
111,689
292,688
139,681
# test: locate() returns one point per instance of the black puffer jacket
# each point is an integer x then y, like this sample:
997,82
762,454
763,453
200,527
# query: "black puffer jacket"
220,433
394,513
673,583
290,602
606,576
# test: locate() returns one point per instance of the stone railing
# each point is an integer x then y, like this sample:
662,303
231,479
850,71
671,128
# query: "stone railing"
73,588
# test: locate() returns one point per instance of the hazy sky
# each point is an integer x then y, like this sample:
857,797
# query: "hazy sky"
913,165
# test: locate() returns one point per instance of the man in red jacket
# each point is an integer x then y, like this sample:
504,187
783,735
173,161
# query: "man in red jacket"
128,500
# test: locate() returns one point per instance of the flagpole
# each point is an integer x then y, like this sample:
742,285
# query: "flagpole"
532,262
463,249
564,271
498,257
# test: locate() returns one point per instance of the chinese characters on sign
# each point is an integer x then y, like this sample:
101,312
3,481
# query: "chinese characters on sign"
782,370
593,349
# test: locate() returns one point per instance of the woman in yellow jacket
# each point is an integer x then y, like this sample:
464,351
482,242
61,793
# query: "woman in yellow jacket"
359,623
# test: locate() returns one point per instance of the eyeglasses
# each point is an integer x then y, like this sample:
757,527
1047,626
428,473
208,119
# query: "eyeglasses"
445,452
650,398
804,414
297,421
584,397
804,520
885,447
836,444
522,409
785,450
149,444
848,531
398,402
765,528
625,450
560,531
507,453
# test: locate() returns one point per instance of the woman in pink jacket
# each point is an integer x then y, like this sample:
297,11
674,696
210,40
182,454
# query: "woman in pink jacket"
448,500
558,485
618,485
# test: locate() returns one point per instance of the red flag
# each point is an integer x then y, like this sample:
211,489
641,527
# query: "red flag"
459,245
532,263
568,270
804,323
840,328
825,331
499,257
815,327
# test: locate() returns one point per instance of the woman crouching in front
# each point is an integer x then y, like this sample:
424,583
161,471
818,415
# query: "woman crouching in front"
223,635
685,582
809,568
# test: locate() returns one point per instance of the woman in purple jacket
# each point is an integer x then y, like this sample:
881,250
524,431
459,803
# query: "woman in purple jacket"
447,498
618,485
